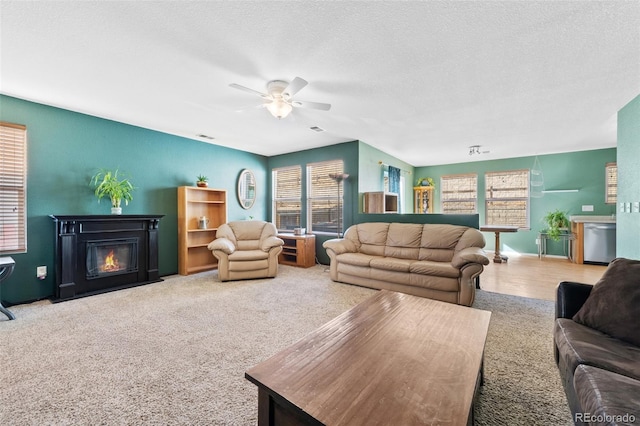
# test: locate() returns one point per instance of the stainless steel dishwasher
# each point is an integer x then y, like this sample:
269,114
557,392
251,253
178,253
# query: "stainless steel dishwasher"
599,242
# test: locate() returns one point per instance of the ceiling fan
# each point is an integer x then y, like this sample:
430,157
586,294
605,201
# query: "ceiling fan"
279,97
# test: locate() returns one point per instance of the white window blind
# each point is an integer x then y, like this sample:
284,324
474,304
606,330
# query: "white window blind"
324,207
287,197
507,198
611,186
13,188
459,194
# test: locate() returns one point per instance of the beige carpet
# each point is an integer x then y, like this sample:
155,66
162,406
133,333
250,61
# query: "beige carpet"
175,352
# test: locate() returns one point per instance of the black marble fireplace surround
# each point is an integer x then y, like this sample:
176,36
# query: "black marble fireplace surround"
100,253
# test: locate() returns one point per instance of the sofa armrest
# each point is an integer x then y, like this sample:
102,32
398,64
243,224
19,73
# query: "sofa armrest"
271,242
570,296
340,245
469,255
222,244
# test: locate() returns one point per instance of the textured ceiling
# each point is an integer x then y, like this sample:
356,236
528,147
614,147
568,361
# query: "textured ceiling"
421,81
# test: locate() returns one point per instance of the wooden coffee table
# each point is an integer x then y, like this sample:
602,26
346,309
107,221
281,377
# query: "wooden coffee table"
394,359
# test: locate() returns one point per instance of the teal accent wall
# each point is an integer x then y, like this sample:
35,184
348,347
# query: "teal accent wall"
371,174
628,229
583,170
64,150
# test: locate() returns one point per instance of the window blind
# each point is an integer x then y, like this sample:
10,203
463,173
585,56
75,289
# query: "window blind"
459,194
13,185
324,205
507,198
287,194
611,195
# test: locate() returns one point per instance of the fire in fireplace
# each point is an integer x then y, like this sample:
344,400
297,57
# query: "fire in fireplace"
107,257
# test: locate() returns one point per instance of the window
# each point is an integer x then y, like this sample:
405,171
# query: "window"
611,185
13,188
459,194
324,206
507,198
287,197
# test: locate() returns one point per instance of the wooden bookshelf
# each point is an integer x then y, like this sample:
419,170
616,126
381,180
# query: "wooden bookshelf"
193,203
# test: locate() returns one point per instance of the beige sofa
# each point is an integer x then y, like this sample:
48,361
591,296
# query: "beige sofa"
246,249
435,261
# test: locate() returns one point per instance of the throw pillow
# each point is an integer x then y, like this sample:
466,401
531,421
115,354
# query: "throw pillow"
613,307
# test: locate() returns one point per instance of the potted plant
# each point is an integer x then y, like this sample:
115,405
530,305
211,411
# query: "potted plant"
114,185
425,182
557,222
201,181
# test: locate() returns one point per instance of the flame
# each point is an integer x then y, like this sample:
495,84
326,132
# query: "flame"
110,263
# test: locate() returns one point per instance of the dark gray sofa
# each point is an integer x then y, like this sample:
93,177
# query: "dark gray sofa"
600,373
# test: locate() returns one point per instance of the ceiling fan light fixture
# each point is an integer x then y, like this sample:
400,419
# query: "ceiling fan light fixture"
279,108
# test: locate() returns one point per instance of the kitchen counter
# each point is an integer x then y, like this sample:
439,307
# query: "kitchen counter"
592,219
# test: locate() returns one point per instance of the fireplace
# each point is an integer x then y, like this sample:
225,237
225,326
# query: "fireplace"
95,254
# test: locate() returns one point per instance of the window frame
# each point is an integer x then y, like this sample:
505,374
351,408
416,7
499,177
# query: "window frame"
13,179
330,166
293,199
525,176
473,198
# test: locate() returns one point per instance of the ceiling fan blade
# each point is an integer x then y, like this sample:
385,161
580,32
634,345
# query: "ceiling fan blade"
312,105
246,89
294,87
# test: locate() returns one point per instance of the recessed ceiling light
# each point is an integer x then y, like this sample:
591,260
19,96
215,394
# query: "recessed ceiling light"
317,129
205,137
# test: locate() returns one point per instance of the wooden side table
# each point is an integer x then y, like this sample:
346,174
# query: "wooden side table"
499,258
298,250
6,268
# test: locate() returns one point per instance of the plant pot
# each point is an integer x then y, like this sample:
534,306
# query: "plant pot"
116,210
202,184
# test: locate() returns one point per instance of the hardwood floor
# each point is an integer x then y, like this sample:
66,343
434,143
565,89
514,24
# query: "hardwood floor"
529,276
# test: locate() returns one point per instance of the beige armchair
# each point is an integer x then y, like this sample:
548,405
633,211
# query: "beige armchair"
246,249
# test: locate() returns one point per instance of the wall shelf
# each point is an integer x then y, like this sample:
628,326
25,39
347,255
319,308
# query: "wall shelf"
550,191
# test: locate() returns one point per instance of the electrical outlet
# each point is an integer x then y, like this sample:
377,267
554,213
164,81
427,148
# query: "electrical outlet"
41,272
636,207
587,208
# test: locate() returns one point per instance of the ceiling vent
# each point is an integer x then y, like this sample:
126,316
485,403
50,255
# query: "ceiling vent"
205,137
317,129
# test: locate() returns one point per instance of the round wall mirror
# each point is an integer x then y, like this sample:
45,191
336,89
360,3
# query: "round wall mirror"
246,189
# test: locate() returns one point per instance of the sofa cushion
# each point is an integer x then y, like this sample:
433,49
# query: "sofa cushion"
439,241
403,240
606,397
245,255
613,306
391,264
357,259
578,344
441,269
370,238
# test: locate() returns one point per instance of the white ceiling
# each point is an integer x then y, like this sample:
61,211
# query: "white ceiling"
421,81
